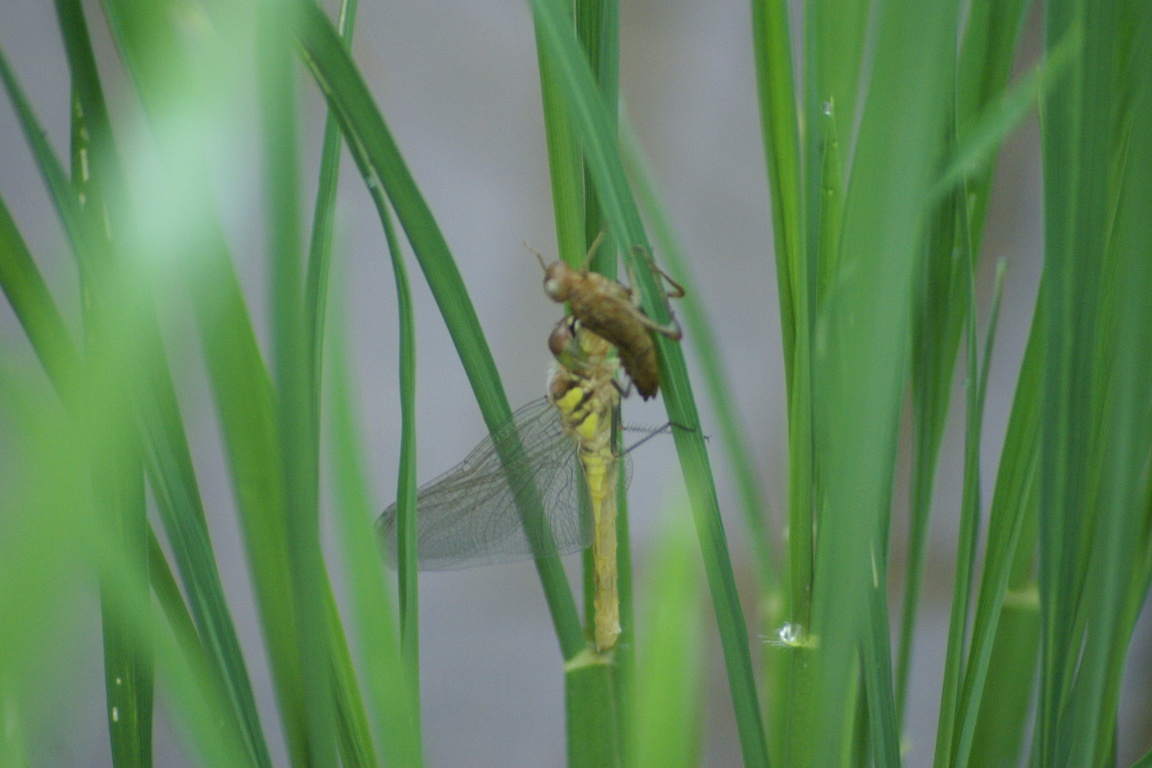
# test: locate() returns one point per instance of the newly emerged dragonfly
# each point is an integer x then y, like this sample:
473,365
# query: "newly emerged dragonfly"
584,391
471,515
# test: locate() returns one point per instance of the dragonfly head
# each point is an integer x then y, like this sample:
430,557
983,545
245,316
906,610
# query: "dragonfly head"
563,345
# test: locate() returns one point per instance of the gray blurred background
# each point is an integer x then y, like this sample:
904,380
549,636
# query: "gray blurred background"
457,83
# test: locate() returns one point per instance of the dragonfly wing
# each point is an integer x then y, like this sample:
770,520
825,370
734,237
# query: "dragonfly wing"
471,515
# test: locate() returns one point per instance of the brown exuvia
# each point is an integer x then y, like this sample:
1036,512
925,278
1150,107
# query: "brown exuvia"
611,311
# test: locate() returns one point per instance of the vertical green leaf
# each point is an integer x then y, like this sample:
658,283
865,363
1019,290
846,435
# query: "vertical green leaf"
861,339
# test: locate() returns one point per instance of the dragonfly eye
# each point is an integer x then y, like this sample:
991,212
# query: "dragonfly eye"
559,339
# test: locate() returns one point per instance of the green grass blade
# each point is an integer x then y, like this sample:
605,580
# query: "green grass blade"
167,457
876,671
784,155
702,337
55,178
32,303
380,162
174,79
834,43
1012,535
590,712
967,537
667,709
938,318
598,30
117,472
391,690
1095,428
987,129
861,342
406,528
594,127
320,240
353,734
990,35
293,369
1121,348
128,665
594,710
779,129
408,583
955,731
1003,625
565,172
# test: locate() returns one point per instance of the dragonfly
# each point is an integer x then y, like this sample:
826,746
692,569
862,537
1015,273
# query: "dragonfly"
584,391
471,515
612,311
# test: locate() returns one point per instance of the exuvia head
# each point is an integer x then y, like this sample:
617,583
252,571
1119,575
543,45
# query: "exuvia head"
557,279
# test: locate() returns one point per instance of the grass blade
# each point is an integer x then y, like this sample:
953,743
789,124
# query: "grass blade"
779,129
391,689
860,347
173,79
594,710
379,161
667,708
597,138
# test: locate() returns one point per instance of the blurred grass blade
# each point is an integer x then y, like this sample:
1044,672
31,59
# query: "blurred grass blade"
861,344
987,131
177,79
27,293
50,515
989,41
667,710
380,163
31,302
117,472
954,731
168,460
876,671
294,375
353,734
391,691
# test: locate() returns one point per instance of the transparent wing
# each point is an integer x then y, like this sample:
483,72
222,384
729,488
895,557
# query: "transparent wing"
469,515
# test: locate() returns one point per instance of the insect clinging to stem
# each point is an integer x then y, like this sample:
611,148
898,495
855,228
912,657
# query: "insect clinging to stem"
612,311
